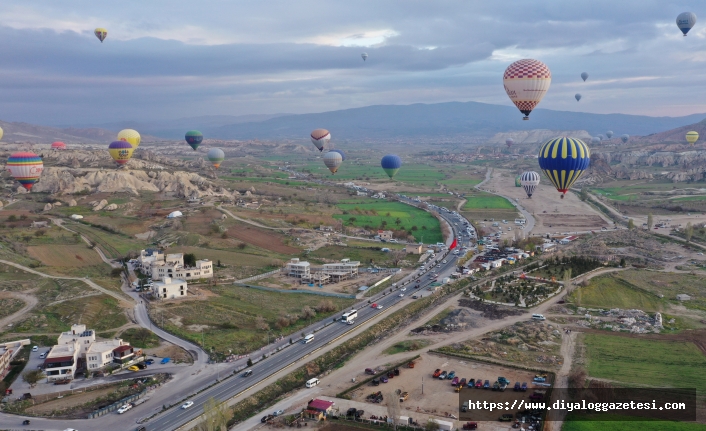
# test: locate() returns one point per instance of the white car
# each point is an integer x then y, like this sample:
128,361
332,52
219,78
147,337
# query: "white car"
35,348
443,261
187,404
379,307
401,295
351,322
403,289
124,408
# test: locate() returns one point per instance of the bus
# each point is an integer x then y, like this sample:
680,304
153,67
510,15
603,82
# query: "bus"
538,317
308,339
349,316
312,382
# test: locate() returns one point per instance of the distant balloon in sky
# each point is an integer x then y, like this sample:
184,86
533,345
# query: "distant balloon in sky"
578,97
320,138
692,137
609,134
509,142
1,132
343,155
391,164
26,168
595,140
601,137
193,138
333,161
121,152
364,55
216,157
529,181
58,146
625,138
564,160
526,82
101,33
131,136
685,21
584,76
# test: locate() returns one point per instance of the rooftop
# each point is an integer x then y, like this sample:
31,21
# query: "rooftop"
61,351
320,405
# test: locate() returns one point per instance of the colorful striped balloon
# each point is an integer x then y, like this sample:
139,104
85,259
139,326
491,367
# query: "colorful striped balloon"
58,146
121,151
692,137
564,160
26,168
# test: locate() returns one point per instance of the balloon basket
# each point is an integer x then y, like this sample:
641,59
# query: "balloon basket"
525,118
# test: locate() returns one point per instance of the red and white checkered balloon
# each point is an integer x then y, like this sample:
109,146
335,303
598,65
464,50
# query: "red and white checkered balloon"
526,82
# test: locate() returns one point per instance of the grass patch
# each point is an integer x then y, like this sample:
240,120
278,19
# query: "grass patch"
613,292
392,215
575,422
407,346
100,312
365,256
487,201
140,337
677,364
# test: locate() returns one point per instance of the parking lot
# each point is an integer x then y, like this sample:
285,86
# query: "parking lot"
432,397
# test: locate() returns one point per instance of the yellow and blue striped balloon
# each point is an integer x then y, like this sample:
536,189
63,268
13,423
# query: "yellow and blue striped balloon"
564,160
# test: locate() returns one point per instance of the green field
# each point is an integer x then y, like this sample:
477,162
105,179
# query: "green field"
487,201
610,291
413,174
239,318
676,364
371,215
365,256
579,423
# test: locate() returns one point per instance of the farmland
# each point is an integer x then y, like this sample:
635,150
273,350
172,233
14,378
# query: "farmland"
481,205
610,291
391,215
363,255
411,174
677,364
239,318
581,423
65,255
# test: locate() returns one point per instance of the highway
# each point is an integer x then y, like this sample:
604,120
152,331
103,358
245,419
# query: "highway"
176,417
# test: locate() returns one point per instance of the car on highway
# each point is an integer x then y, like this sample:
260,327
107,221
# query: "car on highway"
124,408
278,412
443,261
379,307
133,368
351,322
401,295
403,289
187,404
247,373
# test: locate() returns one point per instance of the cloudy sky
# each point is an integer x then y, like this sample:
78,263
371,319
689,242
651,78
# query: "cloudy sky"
177,58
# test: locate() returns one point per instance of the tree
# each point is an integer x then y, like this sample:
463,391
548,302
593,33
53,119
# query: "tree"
249,362
393,408
397,255
115,272
688,231
650,221
583,195
189,259
631,224
566,280
622,262
12,218
431,425
32,377
216,416
39,233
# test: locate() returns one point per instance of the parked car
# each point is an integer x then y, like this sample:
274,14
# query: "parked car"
524,387
351,411
479,383
165,360
455,381
384,379
470,425
496,386
35,348
451,375
443,375
370,371
141,366
486,384
133,368
266,418
376,382
472,382
124,408
437,373
517,387
278,412
149,361
359,413
187,404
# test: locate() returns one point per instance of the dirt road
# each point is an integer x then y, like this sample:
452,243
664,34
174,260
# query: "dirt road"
30,302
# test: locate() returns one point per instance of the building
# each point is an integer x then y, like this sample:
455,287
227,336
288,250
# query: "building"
61,362
175,214
81,336
325,228
100,353
170,288
40,224
319,409
123,354
385,235
76,216
150,256
342,270
176,269
7,352
413,248
683,297
299,269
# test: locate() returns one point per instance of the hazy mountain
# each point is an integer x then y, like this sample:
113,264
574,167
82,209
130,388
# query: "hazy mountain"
676,135
23,132
454,121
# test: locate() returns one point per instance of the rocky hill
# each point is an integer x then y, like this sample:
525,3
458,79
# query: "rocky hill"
31,133
537,136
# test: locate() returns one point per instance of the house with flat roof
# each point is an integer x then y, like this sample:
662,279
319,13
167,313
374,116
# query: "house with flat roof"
344,269
413,248
170,288
78,334
298,269
7,352
100,353
176,269
61,362
123,354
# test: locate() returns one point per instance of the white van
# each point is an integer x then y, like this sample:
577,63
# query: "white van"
312,382
308,339
538,317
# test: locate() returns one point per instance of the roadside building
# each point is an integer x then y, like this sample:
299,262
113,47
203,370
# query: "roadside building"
298,269
7,352
40,224
80,335
176,269
414,248
148,257
170,288
385,235
319,409
123,354
342,270
61,362
100,353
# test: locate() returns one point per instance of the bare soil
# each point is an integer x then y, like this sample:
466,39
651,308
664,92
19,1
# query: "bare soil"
261,238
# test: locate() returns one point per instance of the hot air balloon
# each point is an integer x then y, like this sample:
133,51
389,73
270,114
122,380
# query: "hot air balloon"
131,136
625,138
529,181
343,155
563,160
333,161
194,138
26,168
121,152
518,182
509,142
216,157
320,138
609,134
391,164
1,132
692,137
685,21
58,146
364,55
584,76
601,137
577,96
595,140
101,33
526,82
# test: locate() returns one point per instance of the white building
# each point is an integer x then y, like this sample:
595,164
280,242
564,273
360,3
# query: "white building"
76,216
298,269
202,269
100,353
342,270
170,288
61,362
175,214
81,336
150,256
